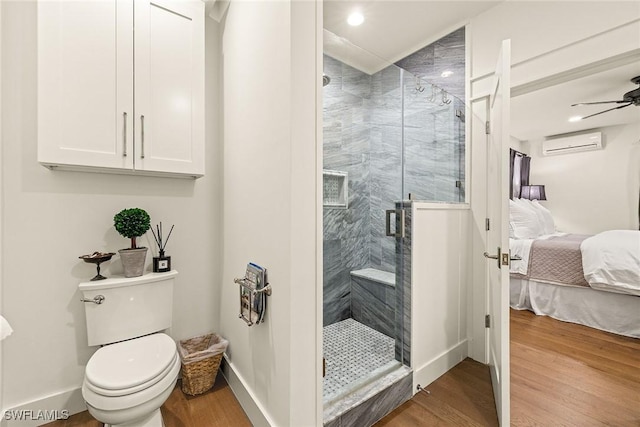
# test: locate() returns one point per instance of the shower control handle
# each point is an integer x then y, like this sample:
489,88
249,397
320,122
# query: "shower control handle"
399,213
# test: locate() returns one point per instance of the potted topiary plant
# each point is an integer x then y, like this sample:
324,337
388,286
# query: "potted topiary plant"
132,223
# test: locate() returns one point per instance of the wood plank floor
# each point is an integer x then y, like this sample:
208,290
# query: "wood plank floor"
561,375
572,375
216,408
461,397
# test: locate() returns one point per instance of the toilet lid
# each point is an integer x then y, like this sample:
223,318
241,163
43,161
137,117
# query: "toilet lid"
130,363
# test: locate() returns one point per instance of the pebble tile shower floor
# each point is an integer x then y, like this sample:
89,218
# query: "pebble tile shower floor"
352,352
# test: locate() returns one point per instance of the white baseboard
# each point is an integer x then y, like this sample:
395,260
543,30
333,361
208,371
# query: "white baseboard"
47,407
430,371
73,402
252,407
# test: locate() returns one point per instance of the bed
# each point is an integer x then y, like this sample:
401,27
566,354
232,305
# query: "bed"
590,280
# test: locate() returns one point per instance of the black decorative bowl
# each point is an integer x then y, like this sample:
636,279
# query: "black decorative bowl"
97,258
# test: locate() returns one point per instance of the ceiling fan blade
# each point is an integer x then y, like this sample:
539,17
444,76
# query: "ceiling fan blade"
599,102
610,109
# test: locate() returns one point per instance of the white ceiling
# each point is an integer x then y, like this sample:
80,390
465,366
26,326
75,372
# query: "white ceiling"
394,29
545,112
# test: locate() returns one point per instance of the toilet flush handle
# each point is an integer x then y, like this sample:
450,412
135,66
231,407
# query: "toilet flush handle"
98,299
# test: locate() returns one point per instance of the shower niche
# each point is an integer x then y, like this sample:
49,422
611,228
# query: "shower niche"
335,189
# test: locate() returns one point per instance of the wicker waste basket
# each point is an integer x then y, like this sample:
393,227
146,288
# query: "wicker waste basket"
201,358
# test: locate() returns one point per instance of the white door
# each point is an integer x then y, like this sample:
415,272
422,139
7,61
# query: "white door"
497,251
169,86
85,83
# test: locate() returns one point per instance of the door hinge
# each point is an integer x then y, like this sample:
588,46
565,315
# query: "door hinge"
487,224
487,127
487,321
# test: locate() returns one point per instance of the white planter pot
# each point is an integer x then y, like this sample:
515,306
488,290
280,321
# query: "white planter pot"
133,261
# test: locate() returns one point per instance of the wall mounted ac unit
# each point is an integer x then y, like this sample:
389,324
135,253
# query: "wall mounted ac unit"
572,144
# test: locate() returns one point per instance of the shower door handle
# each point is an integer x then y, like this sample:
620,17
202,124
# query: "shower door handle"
399,213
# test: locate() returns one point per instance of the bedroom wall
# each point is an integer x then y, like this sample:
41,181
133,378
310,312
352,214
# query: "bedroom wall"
52,217
592,191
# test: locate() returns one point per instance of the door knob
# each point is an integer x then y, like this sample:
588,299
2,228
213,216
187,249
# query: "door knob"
503,258
496,257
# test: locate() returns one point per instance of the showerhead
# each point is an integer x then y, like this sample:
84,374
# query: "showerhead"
325,80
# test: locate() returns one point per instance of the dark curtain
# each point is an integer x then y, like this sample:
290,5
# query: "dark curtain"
525,165
512,158
519,168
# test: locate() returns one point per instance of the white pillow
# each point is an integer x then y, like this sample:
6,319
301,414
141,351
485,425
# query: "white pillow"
548,224
538,212
526,224
526,204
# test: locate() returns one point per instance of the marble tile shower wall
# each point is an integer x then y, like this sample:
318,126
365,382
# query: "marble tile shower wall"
346,147
386,163
446,54
363,135
434,133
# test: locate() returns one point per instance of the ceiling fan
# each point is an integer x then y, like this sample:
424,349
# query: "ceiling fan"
629,98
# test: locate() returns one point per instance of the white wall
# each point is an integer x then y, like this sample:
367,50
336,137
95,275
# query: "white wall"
592,191
270,56
440,288
50,218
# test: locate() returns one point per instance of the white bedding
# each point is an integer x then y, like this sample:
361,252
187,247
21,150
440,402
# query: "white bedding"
520,248
611,261
607,311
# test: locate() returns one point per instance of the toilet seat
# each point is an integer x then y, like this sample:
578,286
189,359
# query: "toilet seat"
131,373
116,403
127,365
125,391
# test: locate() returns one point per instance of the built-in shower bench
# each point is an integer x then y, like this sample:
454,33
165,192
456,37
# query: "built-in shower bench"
376,275
373,299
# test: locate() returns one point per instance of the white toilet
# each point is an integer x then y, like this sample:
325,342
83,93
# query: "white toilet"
132,375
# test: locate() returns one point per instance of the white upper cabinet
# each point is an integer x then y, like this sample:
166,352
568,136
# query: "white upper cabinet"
92,65
169,86
85,84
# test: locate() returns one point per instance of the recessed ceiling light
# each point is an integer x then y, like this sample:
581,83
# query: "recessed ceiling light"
355,19
575,119
446,73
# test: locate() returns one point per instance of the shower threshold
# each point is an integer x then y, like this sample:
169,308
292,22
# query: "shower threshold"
360,365
372,401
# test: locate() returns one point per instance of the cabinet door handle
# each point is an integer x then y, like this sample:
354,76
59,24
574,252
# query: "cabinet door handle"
124,135
142,137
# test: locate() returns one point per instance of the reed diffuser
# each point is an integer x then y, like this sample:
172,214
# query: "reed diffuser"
161,263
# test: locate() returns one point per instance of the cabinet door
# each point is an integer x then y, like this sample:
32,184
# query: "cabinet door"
169,86
85,83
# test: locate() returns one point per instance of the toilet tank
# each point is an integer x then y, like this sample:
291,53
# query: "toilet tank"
132,307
